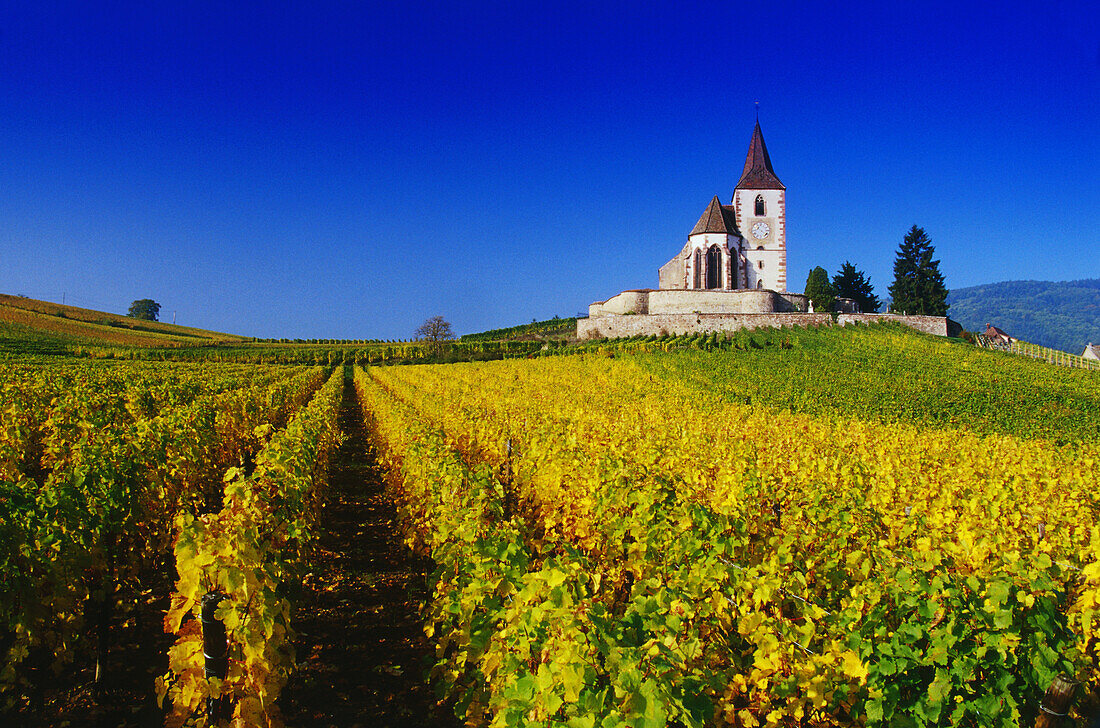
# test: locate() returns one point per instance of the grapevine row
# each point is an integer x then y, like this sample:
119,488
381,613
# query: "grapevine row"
95,511
247,552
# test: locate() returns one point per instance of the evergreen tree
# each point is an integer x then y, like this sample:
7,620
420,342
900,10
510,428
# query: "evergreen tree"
819,290
851,283
918,286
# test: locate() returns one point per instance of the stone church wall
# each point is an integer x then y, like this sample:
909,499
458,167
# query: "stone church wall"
611,327
672,274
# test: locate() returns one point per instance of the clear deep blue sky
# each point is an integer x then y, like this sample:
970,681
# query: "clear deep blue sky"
345,170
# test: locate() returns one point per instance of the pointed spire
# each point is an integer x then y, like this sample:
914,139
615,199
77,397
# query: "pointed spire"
758,173
717,218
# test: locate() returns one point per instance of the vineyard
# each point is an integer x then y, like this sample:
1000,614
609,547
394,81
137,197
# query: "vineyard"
815,528
621,540
102,469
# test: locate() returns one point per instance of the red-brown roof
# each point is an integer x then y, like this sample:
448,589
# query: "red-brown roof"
717,218
758,173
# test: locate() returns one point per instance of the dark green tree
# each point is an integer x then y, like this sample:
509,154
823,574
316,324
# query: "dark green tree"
146,309
918,286
851,283
819,290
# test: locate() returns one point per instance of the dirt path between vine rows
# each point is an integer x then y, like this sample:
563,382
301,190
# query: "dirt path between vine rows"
360,647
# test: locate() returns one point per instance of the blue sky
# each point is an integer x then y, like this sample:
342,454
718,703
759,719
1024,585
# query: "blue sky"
348,169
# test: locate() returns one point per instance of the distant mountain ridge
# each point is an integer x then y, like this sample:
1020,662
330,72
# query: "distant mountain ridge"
1063,315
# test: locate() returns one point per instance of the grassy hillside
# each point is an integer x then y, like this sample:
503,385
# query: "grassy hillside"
45,323
1063,315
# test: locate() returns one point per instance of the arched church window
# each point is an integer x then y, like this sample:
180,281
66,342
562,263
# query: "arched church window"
760,284
759,247
760,206
714,259
698,269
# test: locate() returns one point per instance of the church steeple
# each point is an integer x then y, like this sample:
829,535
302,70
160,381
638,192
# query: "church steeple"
758,173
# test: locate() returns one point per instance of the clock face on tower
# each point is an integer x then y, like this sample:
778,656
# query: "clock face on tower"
760,230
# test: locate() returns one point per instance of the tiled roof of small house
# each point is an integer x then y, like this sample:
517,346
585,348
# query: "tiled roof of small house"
717,218
992,330
758,173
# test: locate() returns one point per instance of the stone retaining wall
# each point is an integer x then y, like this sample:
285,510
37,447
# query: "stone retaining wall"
611,327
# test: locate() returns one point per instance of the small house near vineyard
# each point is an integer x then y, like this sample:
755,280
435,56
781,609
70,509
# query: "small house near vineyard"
997,336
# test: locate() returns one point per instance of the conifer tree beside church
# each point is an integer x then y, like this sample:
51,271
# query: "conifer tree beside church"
819,290
852,283
918,286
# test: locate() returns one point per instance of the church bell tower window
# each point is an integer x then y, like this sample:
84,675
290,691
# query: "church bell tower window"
760,206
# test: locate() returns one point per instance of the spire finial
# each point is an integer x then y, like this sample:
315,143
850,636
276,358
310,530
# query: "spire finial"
757,112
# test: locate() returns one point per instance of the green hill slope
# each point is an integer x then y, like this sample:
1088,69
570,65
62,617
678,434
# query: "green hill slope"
1061,315
552,329
881,373
42,322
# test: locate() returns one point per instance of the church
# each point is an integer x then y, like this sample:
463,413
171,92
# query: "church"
730,274
742,244
735,258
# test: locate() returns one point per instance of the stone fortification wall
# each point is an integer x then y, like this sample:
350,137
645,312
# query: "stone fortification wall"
796,302
611,327
685,301
935,325
624,303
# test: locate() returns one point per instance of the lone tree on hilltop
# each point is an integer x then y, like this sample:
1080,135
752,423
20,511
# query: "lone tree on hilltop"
146,309
436,331
851,283
918,284
819,290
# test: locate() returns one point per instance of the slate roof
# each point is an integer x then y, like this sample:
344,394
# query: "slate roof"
717,218
758,173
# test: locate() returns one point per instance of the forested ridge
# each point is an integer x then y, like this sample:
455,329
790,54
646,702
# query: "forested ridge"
1062,315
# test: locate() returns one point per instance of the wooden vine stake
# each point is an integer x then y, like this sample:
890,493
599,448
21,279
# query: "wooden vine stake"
1056,703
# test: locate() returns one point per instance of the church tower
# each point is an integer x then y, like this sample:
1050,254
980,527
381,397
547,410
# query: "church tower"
759,203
